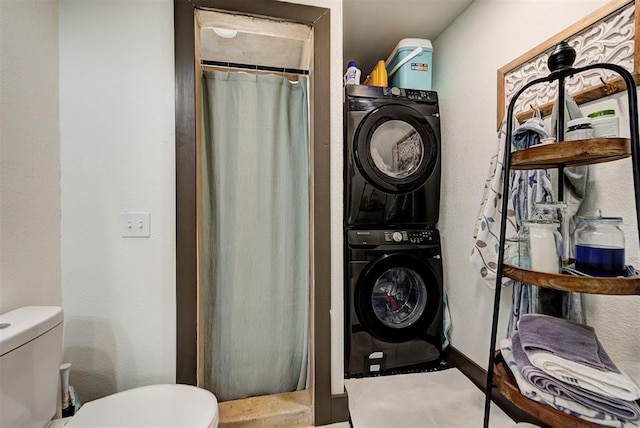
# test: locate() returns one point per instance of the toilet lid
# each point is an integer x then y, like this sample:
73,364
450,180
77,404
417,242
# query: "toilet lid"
177,406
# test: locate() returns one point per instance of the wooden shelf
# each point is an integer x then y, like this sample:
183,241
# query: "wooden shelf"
506,384
572,153
615,286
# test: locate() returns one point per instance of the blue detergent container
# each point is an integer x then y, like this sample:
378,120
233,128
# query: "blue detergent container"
410,64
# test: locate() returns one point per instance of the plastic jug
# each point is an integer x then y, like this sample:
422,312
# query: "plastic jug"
378,76
352,76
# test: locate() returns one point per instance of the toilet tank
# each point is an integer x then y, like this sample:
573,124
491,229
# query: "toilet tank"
30,351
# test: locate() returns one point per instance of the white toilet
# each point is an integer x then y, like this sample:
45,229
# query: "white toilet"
30,350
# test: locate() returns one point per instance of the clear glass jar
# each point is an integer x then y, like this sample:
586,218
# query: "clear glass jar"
516,252
545,244
600,246
556,211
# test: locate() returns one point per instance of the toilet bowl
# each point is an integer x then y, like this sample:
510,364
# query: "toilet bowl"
30,349
150,406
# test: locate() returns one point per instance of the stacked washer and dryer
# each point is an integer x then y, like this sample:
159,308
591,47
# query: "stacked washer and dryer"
393,264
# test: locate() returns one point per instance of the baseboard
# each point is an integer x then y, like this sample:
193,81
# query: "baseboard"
340,408
478,376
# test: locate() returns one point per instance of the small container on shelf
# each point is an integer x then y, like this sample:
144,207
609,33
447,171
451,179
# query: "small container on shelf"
557,211
545,244
579,129
600,246
604,123
516,252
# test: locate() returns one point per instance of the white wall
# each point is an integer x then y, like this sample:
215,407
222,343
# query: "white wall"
117,154
29,154
488,35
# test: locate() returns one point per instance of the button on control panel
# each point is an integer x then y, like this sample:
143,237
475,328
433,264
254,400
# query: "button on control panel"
414,94
398,236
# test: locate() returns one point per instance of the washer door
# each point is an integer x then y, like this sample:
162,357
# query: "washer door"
395,148
396,297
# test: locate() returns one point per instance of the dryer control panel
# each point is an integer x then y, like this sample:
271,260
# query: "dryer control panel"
386,93
393,237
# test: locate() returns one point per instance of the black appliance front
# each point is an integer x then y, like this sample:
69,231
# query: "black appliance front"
393,300
392,157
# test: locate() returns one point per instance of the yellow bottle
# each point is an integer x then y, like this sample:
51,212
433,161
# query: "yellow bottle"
378,76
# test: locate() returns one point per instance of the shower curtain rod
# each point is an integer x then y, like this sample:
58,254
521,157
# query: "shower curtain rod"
207,62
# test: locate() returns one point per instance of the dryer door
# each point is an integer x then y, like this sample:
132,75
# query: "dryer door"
396,297
395,148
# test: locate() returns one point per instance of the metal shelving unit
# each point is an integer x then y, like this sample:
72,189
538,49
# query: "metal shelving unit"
559,155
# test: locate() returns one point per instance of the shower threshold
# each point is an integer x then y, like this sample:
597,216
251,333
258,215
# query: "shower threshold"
288,409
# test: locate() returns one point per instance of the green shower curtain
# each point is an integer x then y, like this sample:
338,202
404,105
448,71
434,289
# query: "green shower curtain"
255,184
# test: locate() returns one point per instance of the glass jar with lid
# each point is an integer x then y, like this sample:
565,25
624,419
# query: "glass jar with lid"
516,252
600,246
545,244
556,211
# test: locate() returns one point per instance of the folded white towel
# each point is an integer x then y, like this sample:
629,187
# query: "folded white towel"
569,407
572,353
608,383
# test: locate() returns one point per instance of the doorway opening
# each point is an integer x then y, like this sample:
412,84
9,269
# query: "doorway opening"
326,408
252,151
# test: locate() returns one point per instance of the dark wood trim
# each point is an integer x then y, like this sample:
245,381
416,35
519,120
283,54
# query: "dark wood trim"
478,376
186,243
321,136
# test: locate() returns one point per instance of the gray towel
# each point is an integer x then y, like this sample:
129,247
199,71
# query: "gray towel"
627,410
564,339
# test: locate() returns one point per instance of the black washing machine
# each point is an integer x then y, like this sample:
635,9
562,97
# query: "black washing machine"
393,300
392,157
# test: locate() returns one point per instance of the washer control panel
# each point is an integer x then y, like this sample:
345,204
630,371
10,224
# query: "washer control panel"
428,236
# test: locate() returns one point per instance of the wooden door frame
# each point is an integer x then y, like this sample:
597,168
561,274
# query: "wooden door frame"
326,408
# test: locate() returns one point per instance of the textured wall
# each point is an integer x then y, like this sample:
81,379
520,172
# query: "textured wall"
29,154
487,36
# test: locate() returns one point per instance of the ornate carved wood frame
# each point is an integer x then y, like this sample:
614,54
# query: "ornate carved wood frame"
609,34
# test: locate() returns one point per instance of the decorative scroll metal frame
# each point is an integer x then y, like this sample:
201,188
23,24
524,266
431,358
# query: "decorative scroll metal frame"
610,34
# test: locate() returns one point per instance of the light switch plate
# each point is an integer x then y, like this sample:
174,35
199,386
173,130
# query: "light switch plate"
135,224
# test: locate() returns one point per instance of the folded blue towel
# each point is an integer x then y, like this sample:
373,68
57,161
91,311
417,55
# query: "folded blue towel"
627,410
564,339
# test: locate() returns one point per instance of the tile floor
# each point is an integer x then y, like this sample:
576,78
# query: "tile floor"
444,398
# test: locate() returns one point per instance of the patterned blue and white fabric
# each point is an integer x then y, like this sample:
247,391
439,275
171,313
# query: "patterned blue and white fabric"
527,188
486,235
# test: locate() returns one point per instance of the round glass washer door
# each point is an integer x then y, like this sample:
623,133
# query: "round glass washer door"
395,149
399,297
396,297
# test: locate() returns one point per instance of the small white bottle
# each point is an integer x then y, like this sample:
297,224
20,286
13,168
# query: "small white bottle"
352,76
